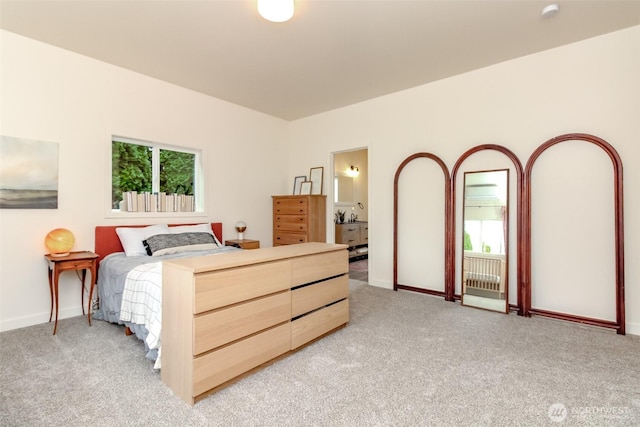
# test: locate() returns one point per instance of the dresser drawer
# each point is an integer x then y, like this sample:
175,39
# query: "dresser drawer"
290,223
364,234
81,264
280,238
310,268
293,206
309,298
348,234
350,238
299,219
350,229
213,369
311,326
226,287
223,326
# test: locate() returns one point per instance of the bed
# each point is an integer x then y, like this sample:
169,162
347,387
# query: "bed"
130,282
484,275
223,312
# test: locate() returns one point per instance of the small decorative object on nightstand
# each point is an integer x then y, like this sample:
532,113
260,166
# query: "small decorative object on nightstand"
73,261
243,243
240,228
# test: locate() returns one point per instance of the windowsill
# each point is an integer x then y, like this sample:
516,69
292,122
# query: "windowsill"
133,215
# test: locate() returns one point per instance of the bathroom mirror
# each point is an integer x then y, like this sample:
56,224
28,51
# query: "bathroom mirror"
343,189
485,228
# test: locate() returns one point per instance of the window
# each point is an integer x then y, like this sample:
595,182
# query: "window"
484,236
152,172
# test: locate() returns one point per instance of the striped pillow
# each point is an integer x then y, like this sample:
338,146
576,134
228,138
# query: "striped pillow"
164,244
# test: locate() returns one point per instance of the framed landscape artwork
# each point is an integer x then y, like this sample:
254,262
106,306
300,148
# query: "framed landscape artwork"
28,174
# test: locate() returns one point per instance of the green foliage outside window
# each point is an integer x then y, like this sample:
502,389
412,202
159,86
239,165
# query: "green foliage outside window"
131,170
467,242
177,172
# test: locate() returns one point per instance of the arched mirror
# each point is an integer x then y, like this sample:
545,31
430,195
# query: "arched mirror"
485,238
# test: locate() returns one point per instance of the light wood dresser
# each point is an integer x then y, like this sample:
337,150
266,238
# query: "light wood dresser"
224,316
299,219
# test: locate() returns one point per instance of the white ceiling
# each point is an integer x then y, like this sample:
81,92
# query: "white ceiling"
331,54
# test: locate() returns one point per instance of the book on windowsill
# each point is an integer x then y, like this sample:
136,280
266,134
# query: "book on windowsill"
132,201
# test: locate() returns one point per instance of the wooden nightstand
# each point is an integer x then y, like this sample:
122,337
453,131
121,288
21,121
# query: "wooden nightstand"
244,243
83,260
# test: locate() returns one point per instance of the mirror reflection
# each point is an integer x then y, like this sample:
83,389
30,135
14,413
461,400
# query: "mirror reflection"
343,189
485,237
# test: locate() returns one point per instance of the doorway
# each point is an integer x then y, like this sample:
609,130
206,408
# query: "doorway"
350,207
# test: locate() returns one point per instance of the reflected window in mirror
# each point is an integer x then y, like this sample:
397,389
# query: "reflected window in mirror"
485,237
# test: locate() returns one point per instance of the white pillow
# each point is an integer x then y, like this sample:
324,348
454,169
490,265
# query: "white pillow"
132,237
198,228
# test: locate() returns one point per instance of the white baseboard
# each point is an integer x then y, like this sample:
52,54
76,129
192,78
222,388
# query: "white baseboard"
37,319
380,283
632,328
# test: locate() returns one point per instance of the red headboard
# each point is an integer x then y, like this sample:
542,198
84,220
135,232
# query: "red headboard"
108,242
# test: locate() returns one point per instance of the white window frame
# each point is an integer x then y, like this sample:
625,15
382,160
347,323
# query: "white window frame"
199,179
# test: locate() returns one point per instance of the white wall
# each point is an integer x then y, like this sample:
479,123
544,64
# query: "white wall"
588,87
54,95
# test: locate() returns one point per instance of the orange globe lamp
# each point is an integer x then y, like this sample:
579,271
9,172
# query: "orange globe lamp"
59,241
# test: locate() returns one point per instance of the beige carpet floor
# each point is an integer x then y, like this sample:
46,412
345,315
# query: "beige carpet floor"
404,360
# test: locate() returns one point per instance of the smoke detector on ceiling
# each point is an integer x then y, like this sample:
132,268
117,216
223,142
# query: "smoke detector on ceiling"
550,11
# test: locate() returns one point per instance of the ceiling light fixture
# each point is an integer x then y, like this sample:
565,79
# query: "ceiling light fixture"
276,10
353,171
550,11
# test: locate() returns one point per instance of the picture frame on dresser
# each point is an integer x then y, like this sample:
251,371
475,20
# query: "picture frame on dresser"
297,183
316,177
305,188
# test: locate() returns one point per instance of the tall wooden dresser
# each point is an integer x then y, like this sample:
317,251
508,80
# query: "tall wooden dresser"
299,219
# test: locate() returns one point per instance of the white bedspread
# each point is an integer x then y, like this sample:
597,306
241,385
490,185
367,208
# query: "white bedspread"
142,302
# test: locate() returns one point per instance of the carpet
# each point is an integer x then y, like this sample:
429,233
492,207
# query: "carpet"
404,359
